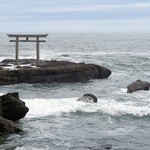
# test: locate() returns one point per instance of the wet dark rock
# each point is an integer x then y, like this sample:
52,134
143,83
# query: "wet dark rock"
12,107
53,71
97,147
88,97
7,126
65,55
22,61
4,65
106,147
138,85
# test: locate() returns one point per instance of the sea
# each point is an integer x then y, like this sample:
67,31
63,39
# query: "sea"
57,121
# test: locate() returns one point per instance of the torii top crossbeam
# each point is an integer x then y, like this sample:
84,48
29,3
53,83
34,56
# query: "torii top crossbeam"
27,35
27,38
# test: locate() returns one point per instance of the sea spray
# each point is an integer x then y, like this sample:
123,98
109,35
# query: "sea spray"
45,107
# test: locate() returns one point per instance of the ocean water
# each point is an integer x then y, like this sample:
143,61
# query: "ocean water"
56,121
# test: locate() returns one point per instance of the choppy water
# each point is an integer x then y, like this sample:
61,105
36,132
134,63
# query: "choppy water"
56,121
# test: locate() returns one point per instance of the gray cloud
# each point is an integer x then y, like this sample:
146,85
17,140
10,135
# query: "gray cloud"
72,14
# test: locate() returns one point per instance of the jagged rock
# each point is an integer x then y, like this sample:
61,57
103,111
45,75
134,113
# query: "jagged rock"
54,71
138,85
88,97
12,107
7,126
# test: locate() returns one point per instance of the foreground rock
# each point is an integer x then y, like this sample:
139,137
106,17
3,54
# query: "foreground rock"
138,85
53,71
11,107
7,126
88,97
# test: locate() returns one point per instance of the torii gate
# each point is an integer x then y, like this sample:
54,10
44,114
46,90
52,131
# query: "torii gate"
27,36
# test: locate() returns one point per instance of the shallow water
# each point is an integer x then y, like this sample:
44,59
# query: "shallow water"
56,121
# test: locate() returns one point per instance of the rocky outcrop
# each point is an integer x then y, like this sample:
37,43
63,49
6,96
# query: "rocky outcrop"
12,107
138,85
7,126
53,71
88,97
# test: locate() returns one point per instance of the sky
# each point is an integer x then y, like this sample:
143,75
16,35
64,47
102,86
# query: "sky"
75,16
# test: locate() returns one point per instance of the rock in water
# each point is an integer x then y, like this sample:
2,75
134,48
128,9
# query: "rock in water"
138,85
7,126
88,97
12,107
53,71
1,109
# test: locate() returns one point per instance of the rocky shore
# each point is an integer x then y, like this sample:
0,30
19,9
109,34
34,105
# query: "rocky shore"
11,110
49,72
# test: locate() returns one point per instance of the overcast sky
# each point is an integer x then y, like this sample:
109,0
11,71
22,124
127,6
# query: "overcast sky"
74,15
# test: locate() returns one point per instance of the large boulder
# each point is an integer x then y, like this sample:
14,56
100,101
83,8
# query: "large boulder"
138,85
7,126
88,97
54,71
12,107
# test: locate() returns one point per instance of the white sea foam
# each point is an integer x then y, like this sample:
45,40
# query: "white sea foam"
2,94
29,148
121,108
45,107
124,90
14,67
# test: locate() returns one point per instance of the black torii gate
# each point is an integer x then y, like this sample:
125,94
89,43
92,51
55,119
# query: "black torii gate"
27,38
